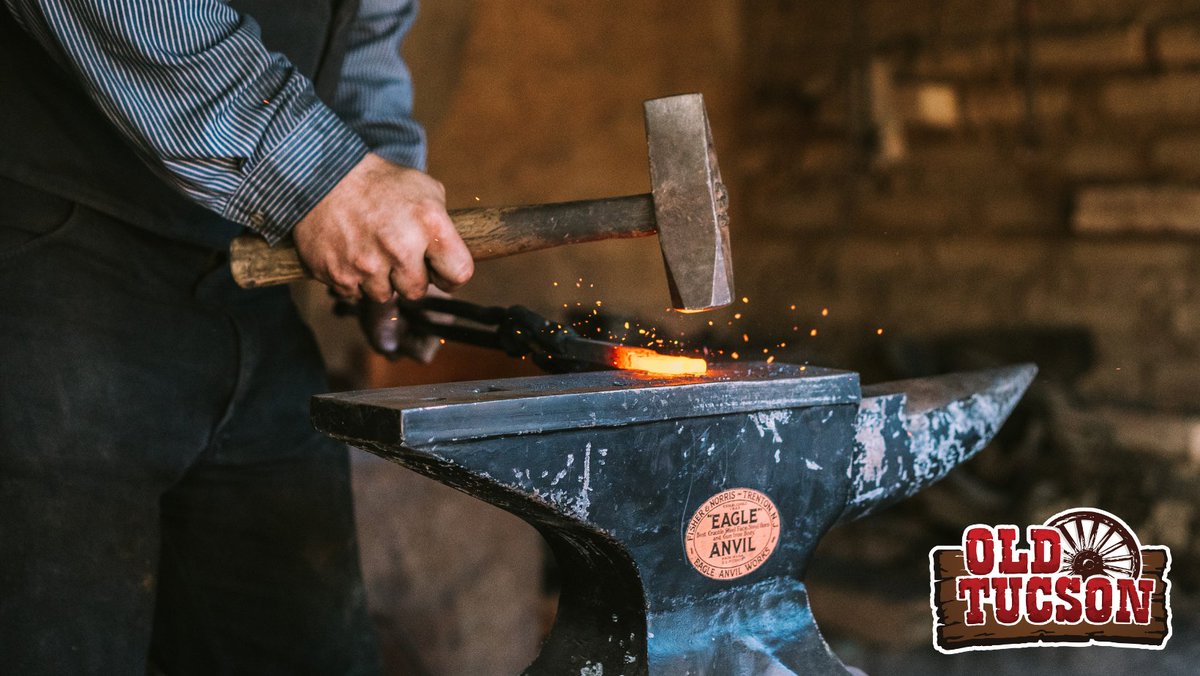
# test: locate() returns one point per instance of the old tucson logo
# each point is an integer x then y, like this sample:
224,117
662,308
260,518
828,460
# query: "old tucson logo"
1082,578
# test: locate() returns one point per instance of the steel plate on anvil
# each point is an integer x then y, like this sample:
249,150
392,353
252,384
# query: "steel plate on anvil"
425,414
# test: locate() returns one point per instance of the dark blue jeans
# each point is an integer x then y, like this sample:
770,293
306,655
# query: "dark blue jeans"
163,496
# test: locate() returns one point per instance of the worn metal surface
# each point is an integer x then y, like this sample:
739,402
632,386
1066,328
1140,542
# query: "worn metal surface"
611,468
910,433
691,206
424,414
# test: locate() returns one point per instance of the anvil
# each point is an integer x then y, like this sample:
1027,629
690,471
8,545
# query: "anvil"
683,511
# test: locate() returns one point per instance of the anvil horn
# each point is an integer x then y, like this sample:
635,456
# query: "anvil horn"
911,433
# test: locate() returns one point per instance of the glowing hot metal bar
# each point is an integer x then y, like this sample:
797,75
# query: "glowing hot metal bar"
641,359
629,358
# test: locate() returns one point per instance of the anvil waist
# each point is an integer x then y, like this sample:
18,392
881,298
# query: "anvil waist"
161,488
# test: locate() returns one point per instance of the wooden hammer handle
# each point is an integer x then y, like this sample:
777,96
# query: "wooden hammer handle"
488,232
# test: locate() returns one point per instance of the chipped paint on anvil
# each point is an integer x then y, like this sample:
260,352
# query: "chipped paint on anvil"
767,421
949,435
591,669
562,474
870,446
585,501
877,463
898,452
574,504
577,504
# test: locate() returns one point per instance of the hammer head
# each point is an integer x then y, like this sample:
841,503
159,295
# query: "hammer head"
690,203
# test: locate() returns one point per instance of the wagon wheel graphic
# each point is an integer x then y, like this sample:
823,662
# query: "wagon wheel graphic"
1095,543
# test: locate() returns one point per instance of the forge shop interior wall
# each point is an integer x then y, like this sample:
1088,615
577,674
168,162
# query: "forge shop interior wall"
918,185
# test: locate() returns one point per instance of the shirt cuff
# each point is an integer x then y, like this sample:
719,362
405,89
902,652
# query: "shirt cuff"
286,184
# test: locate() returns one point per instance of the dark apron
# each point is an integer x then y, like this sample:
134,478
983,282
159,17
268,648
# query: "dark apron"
162,492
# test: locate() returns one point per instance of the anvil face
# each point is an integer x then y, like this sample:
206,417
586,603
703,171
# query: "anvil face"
542,404
682,511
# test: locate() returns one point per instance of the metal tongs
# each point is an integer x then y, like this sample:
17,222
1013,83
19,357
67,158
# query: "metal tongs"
517,330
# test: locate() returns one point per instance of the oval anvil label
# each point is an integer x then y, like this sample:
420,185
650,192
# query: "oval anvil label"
732,533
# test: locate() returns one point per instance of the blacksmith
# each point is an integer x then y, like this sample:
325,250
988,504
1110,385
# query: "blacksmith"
163,498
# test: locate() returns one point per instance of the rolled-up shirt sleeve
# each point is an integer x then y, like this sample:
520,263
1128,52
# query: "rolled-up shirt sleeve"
375,93
232,125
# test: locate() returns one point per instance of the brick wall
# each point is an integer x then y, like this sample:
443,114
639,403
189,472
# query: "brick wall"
987,163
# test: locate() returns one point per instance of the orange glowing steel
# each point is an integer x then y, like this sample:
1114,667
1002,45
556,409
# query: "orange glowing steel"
640,359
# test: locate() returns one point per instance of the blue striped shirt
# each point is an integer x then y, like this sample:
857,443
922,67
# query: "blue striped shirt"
232,125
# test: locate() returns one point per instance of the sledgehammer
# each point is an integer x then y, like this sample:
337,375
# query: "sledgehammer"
687,206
